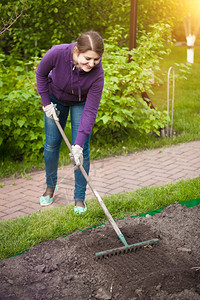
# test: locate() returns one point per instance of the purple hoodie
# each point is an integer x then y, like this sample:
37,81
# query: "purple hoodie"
57,75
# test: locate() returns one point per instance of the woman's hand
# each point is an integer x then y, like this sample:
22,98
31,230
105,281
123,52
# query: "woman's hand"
77,155
51,111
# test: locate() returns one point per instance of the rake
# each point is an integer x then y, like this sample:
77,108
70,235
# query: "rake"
116,251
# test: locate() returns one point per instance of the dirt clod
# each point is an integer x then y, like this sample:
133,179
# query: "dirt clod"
103,294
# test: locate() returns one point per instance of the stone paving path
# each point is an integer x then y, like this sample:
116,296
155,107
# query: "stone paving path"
19,197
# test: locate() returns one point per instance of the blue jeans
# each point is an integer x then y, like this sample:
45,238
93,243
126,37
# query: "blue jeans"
53,142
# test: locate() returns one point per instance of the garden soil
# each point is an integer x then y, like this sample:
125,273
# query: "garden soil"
65,268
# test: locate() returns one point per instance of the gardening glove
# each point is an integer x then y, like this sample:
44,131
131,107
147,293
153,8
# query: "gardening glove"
51,111
77,156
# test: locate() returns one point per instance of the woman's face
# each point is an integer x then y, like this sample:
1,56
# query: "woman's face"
87,60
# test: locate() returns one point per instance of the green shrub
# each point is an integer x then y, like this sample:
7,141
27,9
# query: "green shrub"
20,110
126,77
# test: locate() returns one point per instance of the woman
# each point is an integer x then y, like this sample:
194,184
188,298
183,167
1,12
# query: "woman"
70,77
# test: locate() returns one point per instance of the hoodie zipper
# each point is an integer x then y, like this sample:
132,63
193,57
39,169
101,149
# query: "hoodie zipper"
79,87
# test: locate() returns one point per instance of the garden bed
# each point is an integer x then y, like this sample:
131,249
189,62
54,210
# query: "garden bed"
65,268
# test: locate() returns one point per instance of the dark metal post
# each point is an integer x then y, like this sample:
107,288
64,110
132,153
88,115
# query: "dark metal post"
132,41
133,24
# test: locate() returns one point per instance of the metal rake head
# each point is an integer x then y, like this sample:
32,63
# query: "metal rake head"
125,249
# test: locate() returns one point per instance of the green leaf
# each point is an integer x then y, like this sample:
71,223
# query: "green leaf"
19,69
20,144
32,135
6,122
105,119
21,122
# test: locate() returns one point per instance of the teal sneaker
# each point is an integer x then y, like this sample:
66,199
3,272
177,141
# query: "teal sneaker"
80,210
48,199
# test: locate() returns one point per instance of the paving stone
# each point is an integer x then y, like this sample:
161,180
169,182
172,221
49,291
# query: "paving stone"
13,209
14,215
15,202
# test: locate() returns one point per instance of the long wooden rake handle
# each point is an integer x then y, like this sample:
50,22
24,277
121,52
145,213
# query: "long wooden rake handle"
108,215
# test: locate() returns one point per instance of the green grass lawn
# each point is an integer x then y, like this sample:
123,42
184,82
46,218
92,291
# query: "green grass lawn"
20,234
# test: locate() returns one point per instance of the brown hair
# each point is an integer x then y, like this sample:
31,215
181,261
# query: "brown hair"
90,40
